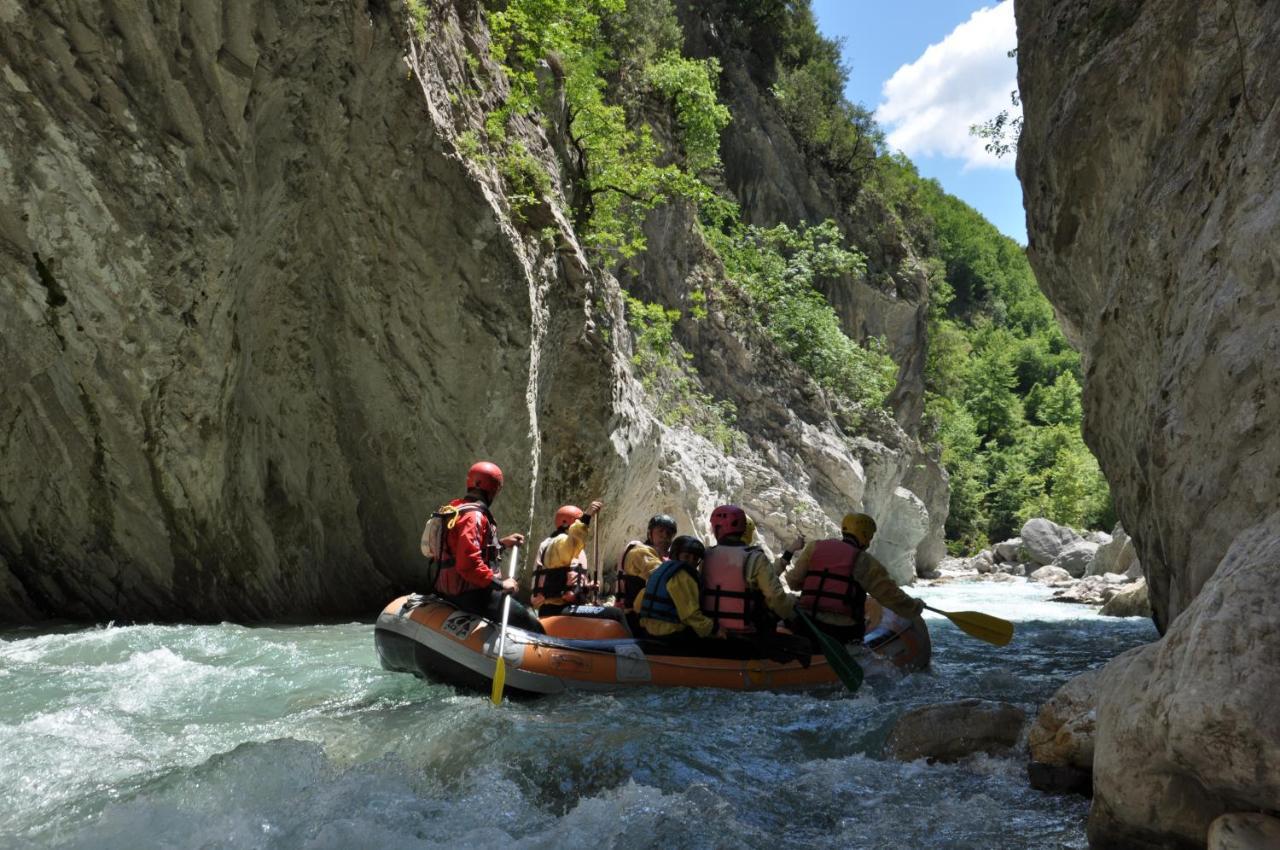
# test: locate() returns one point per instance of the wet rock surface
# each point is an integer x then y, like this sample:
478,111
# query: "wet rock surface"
1150,163
951,731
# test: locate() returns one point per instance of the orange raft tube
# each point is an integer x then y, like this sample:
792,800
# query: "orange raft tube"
432,639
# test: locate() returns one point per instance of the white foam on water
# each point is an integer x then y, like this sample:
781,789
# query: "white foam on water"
1019,600
283,738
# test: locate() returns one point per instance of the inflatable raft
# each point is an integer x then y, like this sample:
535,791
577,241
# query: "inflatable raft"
432,639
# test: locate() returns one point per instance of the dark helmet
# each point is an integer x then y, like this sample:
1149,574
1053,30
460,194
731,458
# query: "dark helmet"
664,520
688,548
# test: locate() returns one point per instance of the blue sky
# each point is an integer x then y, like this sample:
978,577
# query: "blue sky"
930,68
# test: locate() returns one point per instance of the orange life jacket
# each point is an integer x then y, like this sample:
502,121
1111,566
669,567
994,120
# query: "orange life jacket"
829,586
553,581
726,598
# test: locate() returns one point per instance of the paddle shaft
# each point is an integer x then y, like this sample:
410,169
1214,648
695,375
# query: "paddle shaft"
848,670
595,545
500,671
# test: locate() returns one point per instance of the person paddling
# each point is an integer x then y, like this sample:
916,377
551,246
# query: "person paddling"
641,557
835,576
468,572
560,575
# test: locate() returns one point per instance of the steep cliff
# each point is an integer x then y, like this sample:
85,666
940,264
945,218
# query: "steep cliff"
260,309
1150,165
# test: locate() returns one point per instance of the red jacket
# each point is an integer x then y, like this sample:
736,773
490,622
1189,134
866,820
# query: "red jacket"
473,543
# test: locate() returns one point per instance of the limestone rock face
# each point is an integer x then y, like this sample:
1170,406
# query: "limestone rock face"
1150,163
1244,831
260,311
1129,601
950,731
1170,759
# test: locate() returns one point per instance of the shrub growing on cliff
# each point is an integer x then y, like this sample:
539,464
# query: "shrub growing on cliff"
668,376
780,268
617,170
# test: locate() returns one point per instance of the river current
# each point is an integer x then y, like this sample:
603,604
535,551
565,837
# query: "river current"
292,737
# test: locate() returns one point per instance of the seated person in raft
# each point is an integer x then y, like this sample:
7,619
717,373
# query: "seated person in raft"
669,603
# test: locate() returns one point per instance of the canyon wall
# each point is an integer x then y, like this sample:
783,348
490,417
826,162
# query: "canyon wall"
259,310
1150,162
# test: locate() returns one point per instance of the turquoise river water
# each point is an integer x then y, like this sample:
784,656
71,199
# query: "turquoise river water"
232,737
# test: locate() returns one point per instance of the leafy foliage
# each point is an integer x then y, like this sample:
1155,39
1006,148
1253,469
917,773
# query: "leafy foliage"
620,171
1003,386
779,267
667,374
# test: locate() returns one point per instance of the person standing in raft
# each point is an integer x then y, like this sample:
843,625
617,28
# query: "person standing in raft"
740,588
642,557
669,603
560,575
835,576
470,573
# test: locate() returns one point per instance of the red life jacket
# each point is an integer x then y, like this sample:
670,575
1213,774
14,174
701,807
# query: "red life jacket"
726,598
446,579
829,586
554,581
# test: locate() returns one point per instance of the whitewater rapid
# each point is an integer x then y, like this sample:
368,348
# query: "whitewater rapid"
292,737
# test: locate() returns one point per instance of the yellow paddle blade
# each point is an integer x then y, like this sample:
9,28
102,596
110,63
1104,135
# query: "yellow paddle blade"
499,681
982,626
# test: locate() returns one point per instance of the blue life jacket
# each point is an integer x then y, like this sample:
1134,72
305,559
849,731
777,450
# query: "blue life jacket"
657,603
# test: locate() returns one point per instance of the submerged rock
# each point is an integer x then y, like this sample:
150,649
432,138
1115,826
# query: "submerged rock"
950,731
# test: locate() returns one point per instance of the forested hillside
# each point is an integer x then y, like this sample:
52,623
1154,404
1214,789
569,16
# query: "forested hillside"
644,123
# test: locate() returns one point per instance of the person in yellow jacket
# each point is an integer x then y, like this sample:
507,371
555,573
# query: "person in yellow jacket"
560,575
668,604
835,576
642,557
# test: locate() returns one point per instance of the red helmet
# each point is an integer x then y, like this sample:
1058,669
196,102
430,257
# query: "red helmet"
728,520
485,477
566,514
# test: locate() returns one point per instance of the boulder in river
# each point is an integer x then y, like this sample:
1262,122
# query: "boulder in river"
1008,550
1044,540
950,731
1244,831
1130,601
1061,738
1051,575
1076,557
1093,590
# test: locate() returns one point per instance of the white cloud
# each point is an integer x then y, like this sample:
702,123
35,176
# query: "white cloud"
965,79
